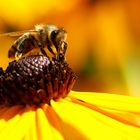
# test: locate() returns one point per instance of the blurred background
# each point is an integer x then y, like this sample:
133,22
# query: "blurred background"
103,38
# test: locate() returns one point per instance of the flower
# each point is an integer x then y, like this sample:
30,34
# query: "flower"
30,112
37,103
81,115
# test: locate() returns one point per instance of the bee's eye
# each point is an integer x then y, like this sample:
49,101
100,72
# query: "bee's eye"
21,46
54,34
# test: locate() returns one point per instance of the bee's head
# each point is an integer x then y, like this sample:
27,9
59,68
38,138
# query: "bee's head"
59,35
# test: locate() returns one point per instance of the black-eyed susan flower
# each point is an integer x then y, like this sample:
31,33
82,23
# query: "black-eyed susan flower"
35,105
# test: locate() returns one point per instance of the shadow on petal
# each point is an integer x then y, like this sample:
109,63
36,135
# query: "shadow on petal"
53,119
8,113
71,133
66,130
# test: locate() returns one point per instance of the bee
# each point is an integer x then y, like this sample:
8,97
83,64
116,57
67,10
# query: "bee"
43,36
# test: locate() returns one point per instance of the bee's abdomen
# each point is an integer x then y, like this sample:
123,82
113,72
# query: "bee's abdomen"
34,80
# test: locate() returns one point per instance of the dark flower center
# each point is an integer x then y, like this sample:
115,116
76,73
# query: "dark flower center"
34,80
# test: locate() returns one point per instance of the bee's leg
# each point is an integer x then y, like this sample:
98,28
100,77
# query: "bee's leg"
42,50
39,45
65,47
61,48
50,49
18,55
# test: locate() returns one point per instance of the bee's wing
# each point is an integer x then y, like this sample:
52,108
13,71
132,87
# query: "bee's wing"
14,34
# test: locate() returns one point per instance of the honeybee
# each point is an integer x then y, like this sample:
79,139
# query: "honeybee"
44,35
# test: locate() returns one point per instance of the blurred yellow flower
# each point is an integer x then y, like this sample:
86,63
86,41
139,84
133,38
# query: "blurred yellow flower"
24,13
80,116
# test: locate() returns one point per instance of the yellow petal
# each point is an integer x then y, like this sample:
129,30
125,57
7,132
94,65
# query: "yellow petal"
122,116
27,137
80,123
32,133
122,108
54,121
17,127
9,114
110,101
43,126
95,117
